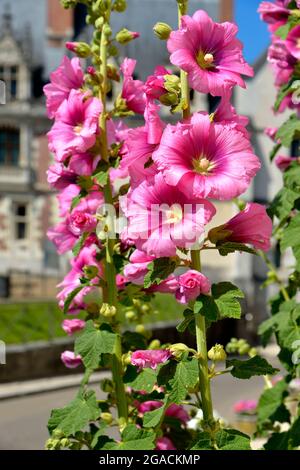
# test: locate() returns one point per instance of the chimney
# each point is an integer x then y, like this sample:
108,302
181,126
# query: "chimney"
60,24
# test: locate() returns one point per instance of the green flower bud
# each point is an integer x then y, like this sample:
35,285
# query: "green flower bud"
58,434
99,23
178,349
218,234
155,344
252,352
126,359
145,308
130,315
140,329
243,349
217,353
81,49
113,51
65,442
106,417
119,6
125,36
169,99
68,3
162,30
107,386
108,311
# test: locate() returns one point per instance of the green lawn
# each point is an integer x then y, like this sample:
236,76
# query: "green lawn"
25,322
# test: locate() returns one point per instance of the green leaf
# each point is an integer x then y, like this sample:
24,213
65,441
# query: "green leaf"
278,441
290,238
289,131
71,297
276,322
76,415
144,380
231,439
132,340
76,200
188,318
77,247
186,376
152,418
206,306
158,270
270,401
225,295
245,369
134,439
274,151
91,343
283,203
231,247
203,442
284,90
101,177
291,177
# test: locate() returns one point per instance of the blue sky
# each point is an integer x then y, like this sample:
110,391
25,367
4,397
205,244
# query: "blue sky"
252,31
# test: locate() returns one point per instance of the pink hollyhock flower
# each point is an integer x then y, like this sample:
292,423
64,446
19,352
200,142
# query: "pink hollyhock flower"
76,125
167,286
206,159
121,281
209,52
160,218
164,443
245,407
191,285
65,198
290,102
69,76
178,412
282,61
155,84
59,177
73,325
150,358
274,13
283,162
271,132
83,164
70,360
133,90
149,405
86,257
293,42
252,226
137,268
226,114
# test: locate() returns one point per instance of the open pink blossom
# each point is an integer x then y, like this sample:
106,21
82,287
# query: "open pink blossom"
245,406
191,285
65,198
164,443
275,14
155,84
68,76
293,42
271,132
177,412
137,268
209,52
59,177
206,159
70,359
150,358
73,325
133,90
283,162
252,226
86,257
76,125
162,218
121,281
226,114
282,61
167,286
148,405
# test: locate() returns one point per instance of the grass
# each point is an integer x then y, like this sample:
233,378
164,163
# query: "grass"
34,321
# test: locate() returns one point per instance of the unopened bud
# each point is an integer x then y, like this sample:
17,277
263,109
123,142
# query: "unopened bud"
217,353
130,315
90,271
106,417
140,329
162,30
155,344
81,49
252,352
218,234
107,310
119,6
126,359
68,3
178,349
125,36
65,442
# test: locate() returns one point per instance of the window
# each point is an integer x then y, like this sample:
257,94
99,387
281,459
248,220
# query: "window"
9,75
20,213
9,146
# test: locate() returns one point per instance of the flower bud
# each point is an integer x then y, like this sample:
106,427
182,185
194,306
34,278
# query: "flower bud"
106,417
217,353
178,349
113,50
169,99
218,234
125,36
126,359
81,49
68,3
155,344
130,315
108,311
65,442
252,352
119,6
58,434
162,30
140,329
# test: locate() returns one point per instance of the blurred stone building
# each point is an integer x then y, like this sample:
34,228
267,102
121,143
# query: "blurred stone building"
32,38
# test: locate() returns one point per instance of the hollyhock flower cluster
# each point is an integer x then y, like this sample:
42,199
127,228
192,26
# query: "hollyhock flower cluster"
275,14
133,91
70,359
150,358
283,162
73,325
209,52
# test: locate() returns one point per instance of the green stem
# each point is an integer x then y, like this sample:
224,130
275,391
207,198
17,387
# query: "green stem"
185,91
273,270
110,291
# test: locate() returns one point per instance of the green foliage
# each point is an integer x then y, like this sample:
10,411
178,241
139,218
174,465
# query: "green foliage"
144,380
77,247
231,247
153,418
270,401
186,376
93,342
76,415
158,270
290,238
71,297
254,366
289,131
224,439
206,306
189,317
133,439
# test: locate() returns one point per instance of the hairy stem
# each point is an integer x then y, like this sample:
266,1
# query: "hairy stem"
110,290
185,91
273,270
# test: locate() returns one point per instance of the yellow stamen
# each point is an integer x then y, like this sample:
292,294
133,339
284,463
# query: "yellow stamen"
202,165
205,61
78,129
